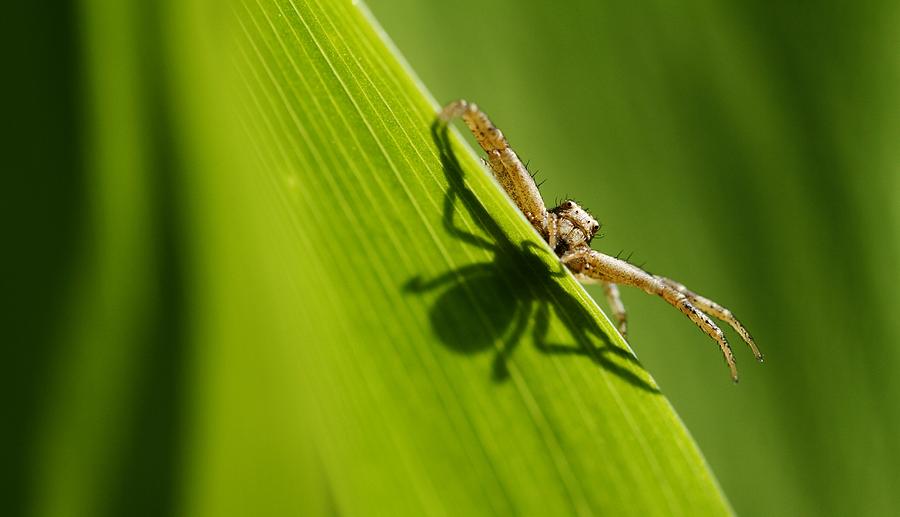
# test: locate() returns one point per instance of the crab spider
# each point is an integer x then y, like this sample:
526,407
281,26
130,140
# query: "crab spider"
569,229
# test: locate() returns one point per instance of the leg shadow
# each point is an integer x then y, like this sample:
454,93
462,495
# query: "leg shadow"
467,323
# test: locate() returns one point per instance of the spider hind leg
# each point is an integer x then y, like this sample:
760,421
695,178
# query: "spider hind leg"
505,164
614,298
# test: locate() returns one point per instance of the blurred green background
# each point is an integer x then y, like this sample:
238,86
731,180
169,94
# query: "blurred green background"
748,150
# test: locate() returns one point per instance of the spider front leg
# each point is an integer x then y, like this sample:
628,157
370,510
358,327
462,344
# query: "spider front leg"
505,164
588,263
714,309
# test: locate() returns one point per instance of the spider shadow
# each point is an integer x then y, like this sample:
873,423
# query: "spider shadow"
469,323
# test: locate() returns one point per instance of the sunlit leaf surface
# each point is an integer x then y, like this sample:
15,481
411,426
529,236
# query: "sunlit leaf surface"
296,297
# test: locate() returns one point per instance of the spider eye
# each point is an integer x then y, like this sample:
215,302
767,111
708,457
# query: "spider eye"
568,204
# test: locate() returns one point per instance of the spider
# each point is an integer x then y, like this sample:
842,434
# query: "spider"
569,229
503,326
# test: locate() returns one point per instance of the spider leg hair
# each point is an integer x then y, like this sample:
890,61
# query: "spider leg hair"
503,161
714,309
588,263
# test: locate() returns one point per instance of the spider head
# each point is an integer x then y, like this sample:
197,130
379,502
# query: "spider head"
576,226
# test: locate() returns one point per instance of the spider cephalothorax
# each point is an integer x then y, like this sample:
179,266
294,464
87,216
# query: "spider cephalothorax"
572,226
568,229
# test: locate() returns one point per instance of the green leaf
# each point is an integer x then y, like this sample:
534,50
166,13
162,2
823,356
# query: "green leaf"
748,150
334,303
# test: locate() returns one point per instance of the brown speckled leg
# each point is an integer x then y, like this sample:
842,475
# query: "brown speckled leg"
717,311
588,263
503,161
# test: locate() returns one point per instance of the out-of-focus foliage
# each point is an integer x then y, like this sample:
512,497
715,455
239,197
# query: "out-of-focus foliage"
240,285
751,150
